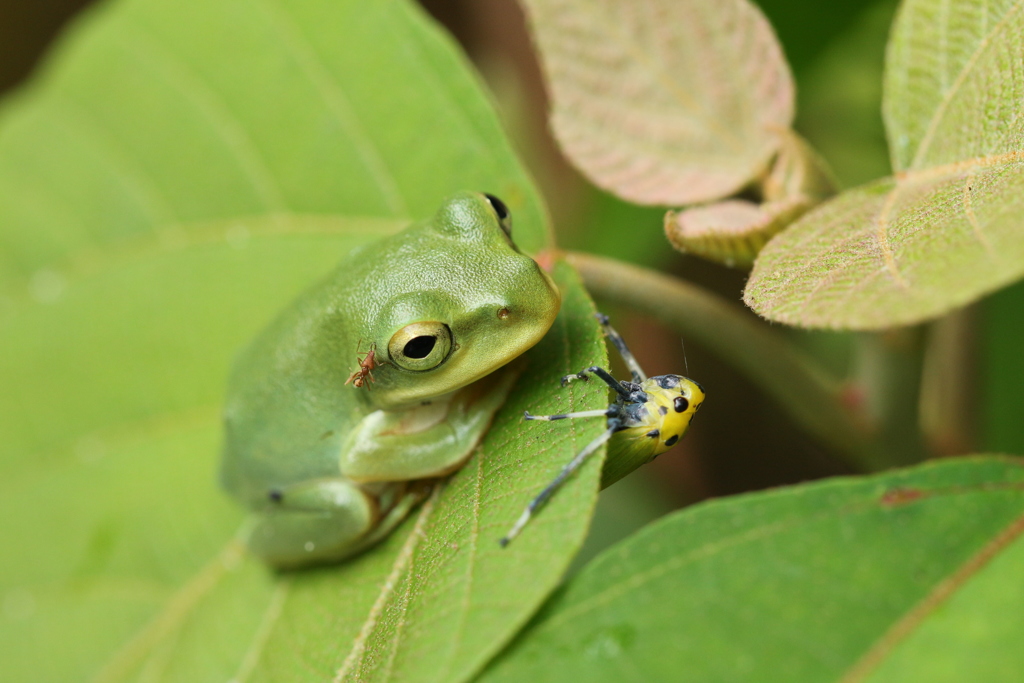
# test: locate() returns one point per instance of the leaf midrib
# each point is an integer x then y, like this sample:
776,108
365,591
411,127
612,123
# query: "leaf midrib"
398,567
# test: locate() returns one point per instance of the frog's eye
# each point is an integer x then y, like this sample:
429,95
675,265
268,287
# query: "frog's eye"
504,215
420,346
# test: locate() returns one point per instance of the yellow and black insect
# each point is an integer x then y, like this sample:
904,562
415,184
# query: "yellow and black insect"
648,417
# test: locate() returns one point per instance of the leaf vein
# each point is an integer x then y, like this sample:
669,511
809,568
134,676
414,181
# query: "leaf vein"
261,637
167,622
231,131
334,97
137,181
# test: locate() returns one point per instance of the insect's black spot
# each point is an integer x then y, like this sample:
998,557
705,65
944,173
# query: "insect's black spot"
419,347
663,410
672,440
275,495
668,381
680,404
558,417
654,433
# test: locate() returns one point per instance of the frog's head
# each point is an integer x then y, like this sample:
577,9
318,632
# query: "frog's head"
461,301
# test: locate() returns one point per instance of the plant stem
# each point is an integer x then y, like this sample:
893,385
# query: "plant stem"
888,374
812,398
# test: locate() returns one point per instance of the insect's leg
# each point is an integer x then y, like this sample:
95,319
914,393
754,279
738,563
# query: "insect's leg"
603,375
620,345
550,489
606,412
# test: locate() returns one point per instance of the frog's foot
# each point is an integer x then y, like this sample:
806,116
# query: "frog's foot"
410,499
314,522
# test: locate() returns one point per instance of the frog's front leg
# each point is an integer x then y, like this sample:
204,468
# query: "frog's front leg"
427,441
325,520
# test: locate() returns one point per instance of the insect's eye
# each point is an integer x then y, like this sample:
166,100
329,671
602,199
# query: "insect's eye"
502,212
680,404
668,381
420,346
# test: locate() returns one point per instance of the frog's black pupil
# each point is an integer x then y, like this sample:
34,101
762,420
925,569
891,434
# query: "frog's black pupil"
680,404
498,206
419,347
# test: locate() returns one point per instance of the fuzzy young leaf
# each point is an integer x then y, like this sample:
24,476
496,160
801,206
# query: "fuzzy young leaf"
665,102
945,230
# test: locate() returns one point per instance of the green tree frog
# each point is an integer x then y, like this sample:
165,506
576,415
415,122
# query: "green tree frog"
329,468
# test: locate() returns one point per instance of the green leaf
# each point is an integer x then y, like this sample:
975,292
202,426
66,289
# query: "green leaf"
945,230
664,101
907,576
178,173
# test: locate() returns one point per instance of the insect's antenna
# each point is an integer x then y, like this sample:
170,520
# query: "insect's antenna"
686,365
549,490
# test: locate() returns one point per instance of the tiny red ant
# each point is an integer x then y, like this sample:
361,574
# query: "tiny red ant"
366,365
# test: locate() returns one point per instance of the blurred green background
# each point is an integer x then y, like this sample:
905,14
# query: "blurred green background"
741,441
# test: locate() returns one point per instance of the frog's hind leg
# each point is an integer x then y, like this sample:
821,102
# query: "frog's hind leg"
395,516
314,522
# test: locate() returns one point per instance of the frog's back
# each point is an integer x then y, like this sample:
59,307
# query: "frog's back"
288,408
